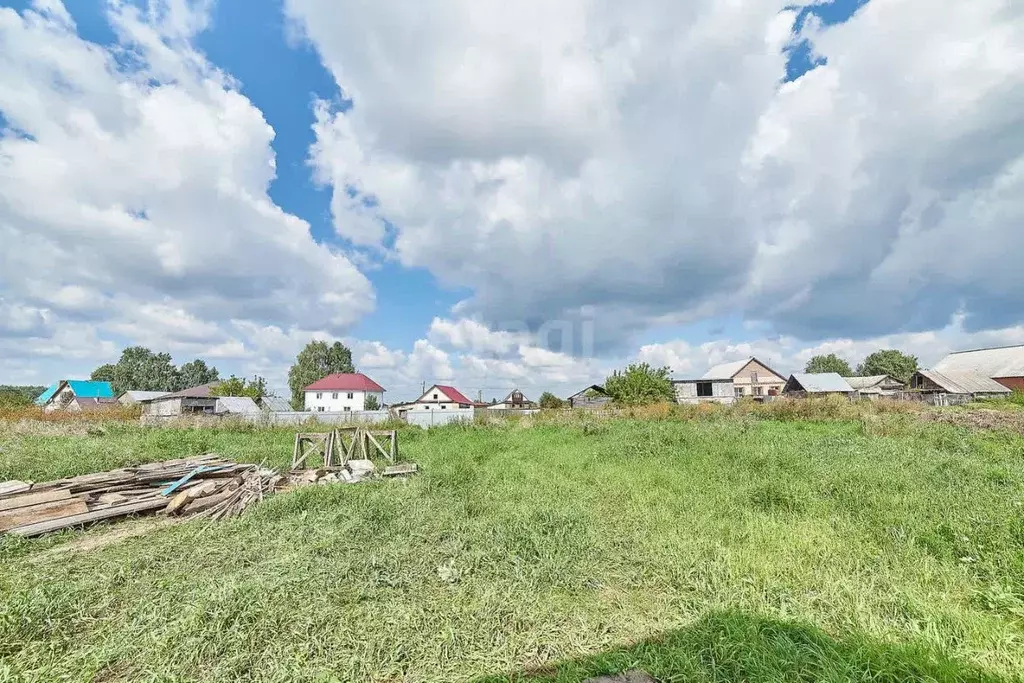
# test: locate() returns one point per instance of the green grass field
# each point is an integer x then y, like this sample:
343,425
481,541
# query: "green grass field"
718,549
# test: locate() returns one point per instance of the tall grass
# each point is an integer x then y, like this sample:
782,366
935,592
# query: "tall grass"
119,413
725,547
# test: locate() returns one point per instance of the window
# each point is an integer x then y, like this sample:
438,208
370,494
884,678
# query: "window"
435,397
758,391
444,407
319,409
753,378
464,405
334,395
349,395
427,407
319,395
704,389
347,409
738,391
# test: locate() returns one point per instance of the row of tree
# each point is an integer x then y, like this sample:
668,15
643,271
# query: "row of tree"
896,364
141,369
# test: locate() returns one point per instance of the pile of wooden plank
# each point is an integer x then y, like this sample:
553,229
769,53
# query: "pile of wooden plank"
201,486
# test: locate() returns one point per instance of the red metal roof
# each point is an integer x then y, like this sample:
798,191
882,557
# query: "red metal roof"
454,394
341,381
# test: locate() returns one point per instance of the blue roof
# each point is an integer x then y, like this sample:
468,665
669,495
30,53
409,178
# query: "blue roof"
90,389
81,388
48,394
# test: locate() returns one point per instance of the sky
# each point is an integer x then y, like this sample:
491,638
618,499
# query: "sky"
507,195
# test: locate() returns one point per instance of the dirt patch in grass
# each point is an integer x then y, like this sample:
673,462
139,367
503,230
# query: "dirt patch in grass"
979,418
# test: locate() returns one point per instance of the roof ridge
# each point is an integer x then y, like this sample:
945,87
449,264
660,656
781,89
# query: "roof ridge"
987,348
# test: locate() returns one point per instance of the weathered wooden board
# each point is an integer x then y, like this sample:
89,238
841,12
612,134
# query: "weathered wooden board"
404,468
28,499
42,512
89,517
9,488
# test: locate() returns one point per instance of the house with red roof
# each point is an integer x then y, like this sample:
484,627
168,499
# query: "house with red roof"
342,392
439,397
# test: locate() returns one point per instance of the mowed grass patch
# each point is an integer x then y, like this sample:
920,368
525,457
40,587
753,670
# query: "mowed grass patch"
729,549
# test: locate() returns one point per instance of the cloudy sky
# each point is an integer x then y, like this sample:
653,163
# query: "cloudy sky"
502,194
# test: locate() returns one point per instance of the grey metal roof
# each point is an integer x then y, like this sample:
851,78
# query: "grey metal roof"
236,404
277,404
726,370
201,391
821,382
1004,361
597,388
865,382
964,382
143,395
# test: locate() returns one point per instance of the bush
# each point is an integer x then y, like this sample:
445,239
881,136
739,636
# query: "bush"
640,384
549,400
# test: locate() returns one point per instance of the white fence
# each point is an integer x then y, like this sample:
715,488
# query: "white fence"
436,418
334,418
274,418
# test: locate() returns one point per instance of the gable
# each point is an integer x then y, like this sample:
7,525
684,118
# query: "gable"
764,373
445,394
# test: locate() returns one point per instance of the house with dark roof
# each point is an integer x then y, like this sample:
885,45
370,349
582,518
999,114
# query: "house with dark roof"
342,393
515,400
77,395
191,401
590,398
439,397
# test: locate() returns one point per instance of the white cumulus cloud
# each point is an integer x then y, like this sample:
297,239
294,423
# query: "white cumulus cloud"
648,163
133,194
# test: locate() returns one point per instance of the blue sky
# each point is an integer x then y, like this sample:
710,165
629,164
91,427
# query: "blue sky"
757,183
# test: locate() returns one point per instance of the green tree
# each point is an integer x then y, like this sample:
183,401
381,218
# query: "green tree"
640,384
194,373
829,363
104,373
238,386
141,369
371,402
17,396
314,362
549,400
896,364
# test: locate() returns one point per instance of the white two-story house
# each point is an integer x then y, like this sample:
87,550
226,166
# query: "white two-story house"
342,392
